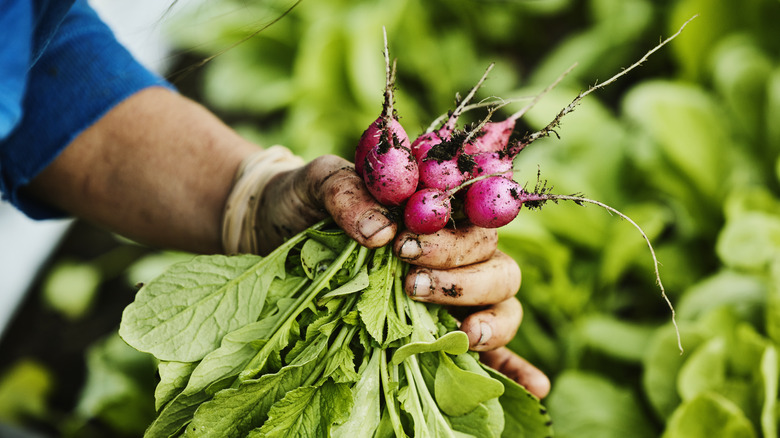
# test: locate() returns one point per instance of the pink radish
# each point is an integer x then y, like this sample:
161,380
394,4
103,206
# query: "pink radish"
442,175
391,173
445,167
422,144
492,202
427,211
492,163
386,125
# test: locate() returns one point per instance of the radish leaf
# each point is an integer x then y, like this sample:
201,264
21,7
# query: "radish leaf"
308,411
459,391
453,343
183,314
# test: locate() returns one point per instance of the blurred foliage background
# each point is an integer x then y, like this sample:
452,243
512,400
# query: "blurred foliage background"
688,146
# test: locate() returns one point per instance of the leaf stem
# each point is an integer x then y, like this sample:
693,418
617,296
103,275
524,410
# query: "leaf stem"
390,401
300,305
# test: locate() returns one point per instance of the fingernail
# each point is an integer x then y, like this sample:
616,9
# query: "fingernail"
410,249
486,332
422,285
373,222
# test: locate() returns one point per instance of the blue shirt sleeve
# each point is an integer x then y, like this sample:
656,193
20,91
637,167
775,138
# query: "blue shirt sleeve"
77,75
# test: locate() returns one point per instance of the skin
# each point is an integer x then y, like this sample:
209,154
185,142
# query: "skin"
158,168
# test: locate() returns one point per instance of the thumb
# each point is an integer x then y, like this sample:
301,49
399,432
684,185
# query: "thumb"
333,182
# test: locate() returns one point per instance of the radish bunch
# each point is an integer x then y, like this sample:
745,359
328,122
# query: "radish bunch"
471,166
425,175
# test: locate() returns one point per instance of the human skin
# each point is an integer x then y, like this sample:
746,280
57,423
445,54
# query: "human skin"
158,168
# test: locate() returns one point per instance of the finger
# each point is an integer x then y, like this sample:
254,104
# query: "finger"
479,284
518,369
493,327
447,248
344,195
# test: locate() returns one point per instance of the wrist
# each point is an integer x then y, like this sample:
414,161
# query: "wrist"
240,231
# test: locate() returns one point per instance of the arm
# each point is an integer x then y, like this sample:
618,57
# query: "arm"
156,168
159,168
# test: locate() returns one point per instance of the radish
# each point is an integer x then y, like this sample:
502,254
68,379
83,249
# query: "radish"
422,144
492,163
386,125
391,173
492,202
445,167
427,211
389,127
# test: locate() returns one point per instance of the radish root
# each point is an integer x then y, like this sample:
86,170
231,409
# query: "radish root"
541,195
550,128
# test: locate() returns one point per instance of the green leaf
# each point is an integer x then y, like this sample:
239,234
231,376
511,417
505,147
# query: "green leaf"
750,241
770,374
183,314
376,299
341,366
708,415
173,379
237,349
459,391
119,381
705,369
355,284
364,417
740,74
24,391
588,405
456,342
620,339
315,257
153,265
335,240
662,364
409,398
773,303
71,287
524,414
481,421
745,294
176,414
234,412
683,122
308,411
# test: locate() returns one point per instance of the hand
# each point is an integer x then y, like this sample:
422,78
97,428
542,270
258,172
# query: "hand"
462,268
455,267
328,185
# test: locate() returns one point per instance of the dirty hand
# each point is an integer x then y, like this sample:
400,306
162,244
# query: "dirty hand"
463,269
452,267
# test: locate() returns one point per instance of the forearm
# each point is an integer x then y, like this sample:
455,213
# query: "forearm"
157,168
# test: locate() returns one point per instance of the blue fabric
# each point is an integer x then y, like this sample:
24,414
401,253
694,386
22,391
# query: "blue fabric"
61,69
